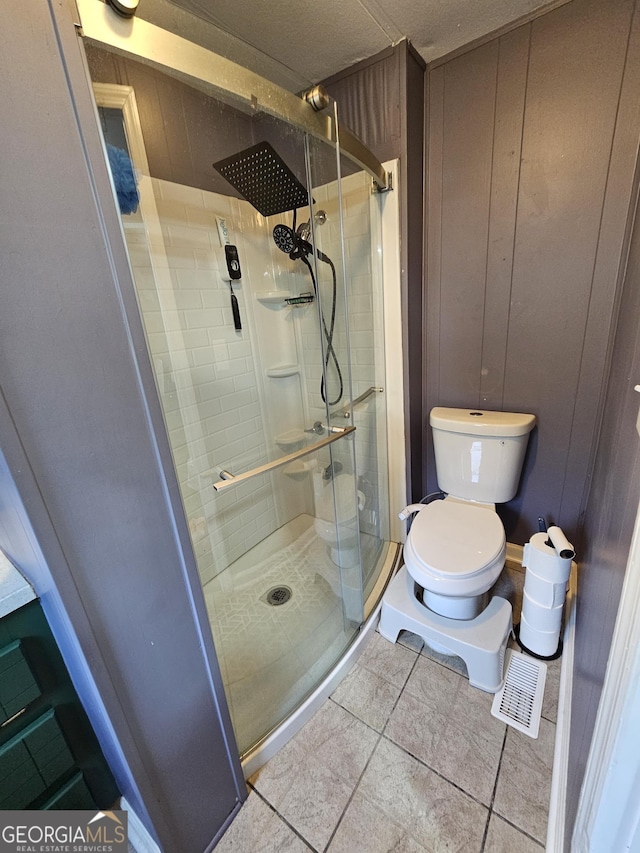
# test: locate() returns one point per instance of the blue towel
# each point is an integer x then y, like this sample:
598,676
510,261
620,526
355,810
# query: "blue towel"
124,179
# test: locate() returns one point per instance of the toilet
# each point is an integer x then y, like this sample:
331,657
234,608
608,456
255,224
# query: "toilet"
335,498
456,547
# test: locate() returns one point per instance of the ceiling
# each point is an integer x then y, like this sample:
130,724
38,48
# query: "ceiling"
298,42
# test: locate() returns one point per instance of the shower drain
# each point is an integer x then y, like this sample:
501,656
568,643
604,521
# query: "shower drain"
278,595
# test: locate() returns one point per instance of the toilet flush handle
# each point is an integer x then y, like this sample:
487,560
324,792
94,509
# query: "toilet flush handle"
409,510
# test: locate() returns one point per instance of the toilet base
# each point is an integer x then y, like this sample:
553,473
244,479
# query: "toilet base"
480,642
345,558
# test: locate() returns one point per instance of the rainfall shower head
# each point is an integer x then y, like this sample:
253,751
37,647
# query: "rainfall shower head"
263,178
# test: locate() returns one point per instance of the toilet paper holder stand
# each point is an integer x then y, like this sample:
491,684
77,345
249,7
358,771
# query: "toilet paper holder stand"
547,559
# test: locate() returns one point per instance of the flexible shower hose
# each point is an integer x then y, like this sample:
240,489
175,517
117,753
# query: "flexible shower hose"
328,333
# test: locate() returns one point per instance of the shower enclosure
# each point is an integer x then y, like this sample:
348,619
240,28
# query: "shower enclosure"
255,248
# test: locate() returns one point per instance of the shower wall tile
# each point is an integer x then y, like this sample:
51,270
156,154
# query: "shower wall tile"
206,375
215,397
179,258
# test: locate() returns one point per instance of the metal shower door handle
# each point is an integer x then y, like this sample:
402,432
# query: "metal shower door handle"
229,479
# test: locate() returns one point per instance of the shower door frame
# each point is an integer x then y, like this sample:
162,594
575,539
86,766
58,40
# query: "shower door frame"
219,77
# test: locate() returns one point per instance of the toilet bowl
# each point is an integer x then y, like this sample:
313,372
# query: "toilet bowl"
455,552
335,499
456,547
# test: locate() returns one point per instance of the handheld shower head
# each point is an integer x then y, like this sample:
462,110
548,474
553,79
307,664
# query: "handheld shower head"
285,238
291,243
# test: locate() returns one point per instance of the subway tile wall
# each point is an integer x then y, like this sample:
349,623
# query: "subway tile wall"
211,378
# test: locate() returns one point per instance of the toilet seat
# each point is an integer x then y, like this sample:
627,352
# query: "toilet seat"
455,548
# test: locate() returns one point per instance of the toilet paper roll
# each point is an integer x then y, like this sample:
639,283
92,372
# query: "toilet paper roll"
543,643
541,618
544,592
543,560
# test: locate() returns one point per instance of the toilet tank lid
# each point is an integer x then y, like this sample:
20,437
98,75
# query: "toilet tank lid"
481,422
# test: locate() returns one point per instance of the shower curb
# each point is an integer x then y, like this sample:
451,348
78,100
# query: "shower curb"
259,756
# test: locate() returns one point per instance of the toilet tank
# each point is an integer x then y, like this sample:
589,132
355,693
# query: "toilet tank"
479,454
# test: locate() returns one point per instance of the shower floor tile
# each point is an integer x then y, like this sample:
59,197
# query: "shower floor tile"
405,756
272,656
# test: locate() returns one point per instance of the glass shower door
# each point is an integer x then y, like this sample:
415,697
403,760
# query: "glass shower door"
268,480
367,411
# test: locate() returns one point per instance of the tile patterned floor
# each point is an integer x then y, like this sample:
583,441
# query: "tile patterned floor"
269,655
405,756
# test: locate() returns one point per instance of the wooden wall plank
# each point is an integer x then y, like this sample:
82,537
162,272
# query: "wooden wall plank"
411,247
433,254
609,522
513,61
369,97
179,151
569,122
532,337
608,270
469,108
615,487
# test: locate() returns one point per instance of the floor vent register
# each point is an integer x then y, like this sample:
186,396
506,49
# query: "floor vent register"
519,702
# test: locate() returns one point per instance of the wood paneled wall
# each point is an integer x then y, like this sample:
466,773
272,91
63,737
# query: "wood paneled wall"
530,166
609,520
614,495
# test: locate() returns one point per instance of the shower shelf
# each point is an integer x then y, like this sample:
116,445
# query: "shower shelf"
281,371
273,297
297,469
293,438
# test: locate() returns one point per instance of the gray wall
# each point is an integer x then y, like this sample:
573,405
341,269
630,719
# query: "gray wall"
609,520
382,101
90,505
532,148
531,151
184,151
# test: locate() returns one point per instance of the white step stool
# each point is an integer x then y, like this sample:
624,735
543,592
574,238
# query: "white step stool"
480,642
